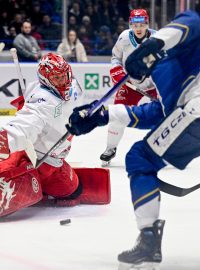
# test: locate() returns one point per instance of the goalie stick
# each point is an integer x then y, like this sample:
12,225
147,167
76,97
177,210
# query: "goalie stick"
13,52
29,149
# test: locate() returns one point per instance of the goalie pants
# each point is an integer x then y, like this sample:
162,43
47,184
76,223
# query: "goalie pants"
176,140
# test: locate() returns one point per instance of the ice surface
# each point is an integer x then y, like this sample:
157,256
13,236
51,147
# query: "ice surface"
33,239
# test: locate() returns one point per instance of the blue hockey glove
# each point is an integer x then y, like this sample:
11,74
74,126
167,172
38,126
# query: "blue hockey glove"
140,63
80,123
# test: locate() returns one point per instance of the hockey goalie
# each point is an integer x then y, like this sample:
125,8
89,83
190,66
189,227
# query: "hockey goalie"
43,112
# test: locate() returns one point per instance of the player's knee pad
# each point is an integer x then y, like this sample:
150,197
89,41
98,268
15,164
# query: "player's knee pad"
144,188
58,181
177,138
142,160
19,187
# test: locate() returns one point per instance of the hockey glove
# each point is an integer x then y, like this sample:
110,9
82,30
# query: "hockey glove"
141,62
80,123
117,73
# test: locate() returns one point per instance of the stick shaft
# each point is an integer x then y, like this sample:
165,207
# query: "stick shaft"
176,191
18,69
130,85
108,94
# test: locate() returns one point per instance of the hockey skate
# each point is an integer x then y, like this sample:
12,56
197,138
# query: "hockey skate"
146,255
107,155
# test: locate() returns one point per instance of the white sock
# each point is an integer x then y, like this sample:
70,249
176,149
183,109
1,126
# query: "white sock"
148,213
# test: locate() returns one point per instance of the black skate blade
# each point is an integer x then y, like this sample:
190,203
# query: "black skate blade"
142,266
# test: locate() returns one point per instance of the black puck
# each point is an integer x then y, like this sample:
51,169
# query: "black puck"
65,221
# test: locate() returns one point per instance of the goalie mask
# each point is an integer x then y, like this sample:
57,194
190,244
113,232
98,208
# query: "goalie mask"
55,73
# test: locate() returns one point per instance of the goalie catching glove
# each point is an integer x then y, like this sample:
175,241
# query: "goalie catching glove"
81,123
141,62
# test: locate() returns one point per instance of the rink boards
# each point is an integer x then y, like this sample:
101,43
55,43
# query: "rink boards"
93,77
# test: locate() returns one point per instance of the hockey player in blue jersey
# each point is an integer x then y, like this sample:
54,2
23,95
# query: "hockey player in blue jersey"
172,59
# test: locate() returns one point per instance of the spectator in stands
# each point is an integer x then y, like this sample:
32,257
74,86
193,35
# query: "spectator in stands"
26,45
87,23
107,13
88,43
17,22
72,49
94,16
119,30
76,11
36,14
72,23
51,32
104,42
4,23
10,37
197,6
46,7
37,36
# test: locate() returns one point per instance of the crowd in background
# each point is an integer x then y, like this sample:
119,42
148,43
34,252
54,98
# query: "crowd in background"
96,23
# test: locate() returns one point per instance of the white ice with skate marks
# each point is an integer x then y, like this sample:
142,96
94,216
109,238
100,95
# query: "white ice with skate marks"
33,239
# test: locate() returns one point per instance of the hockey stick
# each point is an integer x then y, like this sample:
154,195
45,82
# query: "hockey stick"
13,52
29,149
2,45
92,110
130,85
176,191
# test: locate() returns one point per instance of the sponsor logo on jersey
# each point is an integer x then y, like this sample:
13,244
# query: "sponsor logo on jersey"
172,127
40,100
166,131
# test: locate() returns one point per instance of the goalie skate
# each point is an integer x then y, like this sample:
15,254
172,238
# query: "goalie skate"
146,255
107,155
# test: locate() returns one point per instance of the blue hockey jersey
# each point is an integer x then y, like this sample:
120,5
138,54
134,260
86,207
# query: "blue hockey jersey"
173,74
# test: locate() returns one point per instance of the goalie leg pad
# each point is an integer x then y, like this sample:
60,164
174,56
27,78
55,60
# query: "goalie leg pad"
93,188
95,185
19,187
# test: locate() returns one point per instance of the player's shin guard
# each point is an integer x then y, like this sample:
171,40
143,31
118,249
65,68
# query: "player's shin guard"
147,252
